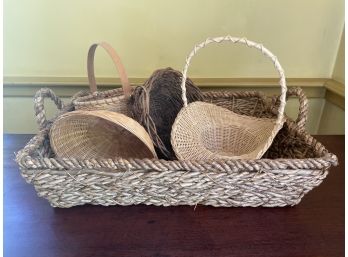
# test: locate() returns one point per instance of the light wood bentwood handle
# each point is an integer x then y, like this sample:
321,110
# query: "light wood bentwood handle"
248,43
117,61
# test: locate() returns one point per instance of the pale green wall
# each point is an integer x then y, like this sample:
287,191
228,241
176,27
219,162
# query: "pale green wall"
332,120
51,38
338,72
19,117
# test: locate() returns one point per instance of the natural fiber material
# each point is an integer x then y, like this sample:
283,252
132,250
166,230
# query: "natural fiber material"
204,131
99,134
111,100
156,104
298,164
208,132
115,100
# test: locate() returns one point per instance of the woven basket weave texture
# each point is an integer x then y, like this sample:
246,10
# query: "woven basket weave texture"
156,104
293,165
99,134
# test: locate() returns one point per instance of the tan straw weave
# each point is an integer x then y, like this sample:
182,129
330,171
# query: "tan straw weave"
204,131
113,100
293,165
99,134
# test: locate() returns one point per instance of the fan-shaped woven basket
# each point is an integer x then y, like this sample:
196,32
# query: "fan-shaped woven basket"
99,134
204,131
156,104
114,100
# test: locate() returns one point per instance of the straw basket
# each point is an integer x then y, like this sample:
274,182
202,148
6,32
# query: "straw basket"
293,165
204,131
99,134
114,100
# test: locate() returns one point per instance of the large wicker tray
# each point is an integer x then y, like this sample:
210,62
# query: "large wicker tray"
294,164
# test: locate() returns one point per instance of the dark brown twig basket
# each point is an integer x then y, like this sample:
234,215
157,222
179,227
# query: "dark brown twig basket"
156,104
294,164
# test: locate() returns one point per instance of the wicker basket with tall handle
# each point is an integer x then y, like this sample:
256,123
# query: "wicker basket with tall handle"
115,99
204,131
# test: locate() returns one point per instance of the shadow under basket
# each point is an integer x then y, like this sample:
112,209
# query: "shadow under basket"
293,165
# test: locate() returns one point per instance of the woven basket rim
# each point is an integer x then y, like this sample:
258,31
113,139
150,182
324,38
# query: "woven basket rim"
26,160
234,113
88,100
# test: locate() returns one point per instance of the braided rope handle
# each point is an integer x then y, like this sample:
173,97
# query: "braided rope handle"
303,108
39,107
118,64
248,43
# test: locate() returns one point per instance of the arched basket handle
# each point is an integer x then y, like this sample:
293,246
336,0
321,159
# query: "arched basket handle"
248,43
39,107
118,64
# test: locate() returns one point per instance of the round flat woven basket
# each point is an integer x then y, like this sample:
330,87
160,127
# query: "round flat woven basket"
99,134
115,99
204,131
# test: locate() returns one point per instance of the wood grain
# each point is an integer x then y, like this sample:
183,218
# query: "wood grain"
32,228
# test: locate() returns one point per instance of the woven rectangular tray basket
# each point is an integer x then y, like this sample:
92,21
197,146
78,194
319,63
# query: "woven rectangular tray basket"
293,165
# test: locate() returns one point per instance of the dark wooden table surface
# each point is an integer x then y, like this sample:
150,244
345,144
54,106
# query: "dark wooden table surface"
32,227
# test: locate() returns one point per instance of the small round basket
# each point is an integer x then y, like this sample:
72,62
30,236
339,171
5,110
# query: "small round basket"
204,131
115,99
99,134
